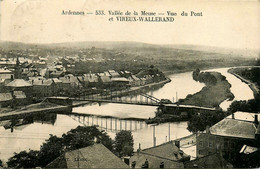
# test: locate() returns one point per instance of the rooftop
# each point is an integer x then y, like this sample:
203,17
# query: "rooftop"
248,149
168,153
18,83
168,150
3,71
95,156
234,128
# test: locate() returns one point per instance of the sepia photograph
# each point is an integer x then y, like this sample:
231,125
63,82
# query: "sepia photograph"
129,84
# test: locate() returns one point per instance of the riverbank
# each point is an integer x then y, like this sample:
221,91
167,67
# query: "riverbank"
250,81
22,113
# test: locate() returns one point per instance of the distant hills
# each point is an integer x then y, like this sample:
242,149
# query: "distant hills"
125,45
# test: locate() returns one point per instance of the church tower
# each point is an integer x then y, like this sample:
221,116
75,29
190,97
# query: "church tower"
17,72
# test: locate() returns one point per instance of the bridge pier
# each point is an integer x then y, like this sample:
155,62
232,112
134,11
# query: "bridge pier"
130,125
116,124
111,124
120,125
125,125
106,124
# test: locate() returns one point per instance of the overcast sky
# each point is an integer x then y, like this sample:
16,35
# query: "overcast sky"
234,24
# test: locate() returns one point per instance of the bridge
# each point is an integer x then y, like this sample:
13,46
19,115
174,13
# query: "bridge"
109,123
142,99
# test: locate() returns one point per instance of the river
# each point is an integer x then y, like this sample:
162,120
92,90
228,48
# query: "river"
32,135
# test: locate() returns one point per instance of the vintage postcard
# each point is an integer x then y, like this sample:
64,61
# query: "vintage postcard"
129,84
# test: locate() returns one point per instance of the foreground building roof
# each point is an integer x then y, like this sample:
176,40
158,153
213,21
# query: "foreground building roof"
234,128
168,154
95,156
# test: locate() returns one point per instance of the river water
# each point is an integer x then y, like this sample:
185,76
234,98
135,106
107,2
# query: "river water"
240,90
32,135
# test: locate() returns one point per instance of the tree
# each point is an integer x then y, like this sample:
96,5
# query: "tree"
200,121
195,74
124,143
86,136
50,150
243,105
24,160
1,163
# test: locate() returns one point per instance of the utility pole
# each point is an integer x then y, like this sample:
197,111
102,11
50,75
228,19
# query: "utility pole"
169,131
78,158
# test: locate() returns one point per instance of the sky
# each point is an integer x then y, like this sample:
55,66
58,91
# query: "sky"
230,24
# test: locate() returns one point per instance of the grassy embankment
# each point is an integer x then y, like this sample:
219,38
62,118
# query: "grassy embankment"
250,76
212,94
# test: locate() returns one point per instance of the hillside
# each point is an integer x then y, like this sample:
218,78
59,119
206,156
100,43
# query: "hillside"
129,55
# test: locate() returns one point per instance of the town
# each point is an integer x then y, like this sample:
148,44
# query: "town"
31,80
40,88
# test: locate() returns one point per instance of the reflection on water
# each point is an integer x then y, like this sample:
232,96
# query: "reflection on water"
31,136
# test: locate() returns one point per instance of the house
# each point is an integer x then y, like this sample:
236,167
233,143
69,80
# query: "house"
90,80
228,136
6,74
167,155
137,81
70,84
20,85
113,73
5,99
94,156
43,87
104,81
119,82
56,74
58,85
19,98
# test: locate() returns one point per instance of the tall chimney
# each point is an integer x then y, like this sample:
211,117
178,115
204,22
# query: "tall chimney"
256,120
177,143
233,116
207,130
139,149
